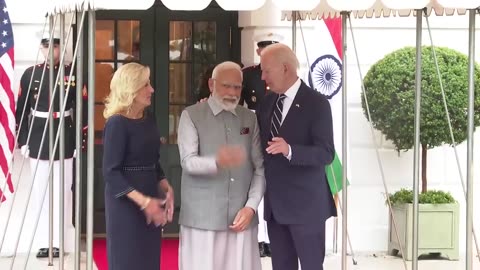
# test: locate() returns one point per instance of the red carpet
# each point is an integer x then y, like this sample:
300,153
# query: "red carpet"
169,256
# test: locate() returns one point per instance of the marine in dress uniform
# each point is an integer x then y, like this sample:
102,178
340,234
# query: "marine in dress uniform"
254,89
36,103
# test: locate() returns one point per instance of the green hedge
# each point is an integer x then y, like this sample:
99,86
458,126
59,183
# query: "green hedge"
430,197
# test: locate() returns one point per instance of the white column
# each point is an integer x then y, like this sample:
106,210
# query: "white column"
264,20
269,19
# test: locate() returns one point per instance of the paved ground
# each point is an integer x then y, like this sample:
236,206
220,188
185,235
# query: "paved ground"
40,264
332,262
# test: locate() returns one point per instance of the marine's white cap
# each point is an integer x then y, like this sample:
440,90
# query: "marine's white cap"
266,39
45,36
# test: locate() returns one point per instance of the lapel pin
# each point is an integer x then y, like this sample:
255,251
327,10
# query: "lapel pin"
298,105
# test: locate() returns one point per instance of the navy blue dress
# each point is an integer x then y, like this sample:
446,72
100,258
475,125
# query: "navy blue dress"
131,161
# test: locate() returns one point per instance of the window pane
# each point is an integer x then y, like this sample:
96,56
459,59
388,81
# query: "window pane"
103,76
175,111
128,40
180,41
204,38
180,83
105,39
99,119
201,72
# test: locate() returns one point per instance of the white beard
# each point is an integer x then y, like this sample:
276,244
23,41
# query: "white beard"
227,106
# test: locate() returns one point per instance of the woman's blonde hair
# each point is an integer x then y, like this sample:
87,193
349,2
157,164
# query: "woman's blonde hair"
124,87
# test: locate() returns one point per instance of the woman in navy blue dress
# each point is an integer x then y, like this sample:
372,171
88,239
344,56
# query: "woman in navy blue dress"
138,197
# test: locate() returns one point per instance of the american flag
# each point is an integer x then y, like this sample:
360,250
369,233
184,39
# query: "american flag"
7,99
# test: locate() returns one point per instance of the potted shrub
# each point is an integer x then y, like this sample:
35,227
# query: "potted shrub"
390,89
438,223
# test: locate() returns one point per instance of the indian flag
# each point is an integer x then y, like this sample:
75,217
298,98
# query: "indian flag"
325,76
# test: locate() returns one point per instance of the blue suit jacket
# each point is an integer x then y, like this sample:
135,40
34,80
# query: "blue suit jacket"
297,191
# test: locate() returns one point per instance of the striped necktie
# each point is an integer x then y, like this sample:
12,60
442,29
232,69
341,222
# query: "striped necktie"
277,116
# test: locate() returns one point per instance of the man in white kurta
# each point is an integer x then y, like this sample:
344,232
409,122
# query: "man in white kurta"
222,179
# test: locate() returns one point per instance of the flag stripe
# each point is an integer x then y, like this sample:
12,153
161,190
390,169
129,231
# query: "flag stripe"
4,166
334,26
7,98
7,116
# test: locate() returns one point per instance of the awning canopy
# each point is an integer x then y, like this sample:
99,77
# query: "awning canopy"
309,9
386,8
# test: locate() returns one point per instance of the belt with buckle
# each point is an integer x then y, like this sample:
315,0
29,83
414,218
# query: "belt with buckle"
54,114
139,168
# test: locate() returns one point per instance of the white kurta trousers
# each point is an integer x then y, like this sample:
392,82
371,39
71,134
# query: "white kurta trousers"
262,225
40,182
218,250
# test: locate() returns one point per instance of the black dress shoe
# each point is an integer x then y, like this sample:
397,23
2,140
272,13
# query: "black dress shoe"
43,253
267,250
261,248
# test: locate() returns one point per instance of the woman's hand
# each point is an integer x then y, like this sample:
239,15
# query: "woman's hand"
169,203
153,208
202,100
169,199
154,213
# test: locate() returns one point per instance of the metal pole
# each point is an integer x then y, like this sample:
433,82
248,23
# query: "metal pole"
380,164
57,136
471,127
344,141
90,150
61,118
416,151
61,175
336,224
51,83
294,31
78,142
335,235
454,143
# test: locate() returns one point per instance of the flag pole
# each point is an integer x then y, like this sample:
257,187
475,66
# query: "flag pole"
335,227
344,15
471,128
91,135
416,148
61,152
51,131
78,142
294,31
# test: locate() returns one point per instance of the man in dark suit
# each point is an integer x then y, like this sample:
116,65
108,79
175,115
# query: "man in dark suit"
297,137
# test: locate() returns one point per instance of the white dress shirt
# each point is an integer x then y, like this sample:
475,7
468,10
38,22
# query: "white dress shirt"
287,103
290,96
